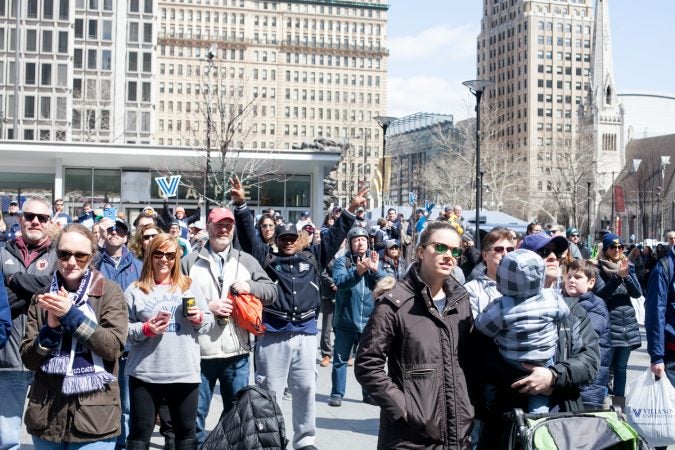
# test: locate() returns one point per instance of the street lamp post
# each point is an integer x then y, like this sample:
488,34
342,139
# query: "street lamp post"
210,56
477,87
384,122
588,213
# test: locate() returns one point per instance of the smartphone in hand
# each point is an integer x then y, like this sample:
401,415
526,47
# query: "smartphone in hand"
164,316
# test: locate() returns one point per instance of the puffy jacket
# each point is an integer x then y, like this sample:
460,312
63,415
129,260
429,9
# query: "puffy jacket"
423,394
225,341
22,283
254,422
593,394
617,292
395,269
127,271
482,291
95,416
660,308
354,298
296,278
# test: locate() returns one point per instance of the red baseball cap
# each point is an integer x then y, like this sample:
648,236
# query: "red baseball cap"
218,214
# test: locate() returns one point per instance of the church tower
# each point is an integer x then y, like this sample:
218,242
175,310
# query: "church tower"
602,113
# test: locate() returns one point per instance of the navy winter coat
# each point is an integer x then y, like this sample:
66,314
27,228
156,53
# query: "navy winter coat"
593,394
617,292
126,272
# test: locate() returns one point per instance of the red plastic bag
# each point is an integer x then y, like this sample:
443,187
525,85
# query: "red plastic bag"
247,312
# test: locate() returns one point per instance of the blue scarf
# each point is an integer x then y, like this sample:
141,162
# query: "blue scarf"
82,369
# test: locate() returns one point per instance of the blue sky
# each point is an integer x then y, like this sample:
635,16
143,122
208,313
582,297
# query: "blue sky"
433,45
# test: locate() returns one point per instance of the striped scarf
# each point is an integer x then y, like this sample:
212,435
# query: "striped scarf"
82,369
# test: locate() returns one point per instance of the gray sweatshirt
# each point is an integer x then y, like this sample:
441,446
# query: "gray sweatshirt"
173,356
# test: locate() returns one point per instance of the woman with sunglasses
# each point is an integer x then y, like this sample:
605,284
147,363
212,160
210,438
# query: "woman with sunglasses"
142,239
74,337
616,285
167,312
483,287
420,329
553,250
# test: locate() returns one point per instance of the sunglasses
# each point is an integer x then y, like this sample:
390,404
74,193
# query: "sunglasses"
616,247
65,255
158,254
502,249
119,230
545,251
442,249
42,218
147,237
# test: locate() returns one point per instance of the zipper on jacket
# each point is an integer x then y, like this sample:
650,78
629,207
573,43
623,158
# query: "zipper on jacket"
418,372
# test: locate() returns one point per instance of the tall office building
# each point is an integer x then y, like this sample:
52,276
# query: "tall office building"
539,54
280,73
84,73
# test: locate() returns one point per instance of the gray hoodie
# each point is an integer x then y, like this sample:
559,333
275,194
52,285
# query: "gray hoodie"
173,356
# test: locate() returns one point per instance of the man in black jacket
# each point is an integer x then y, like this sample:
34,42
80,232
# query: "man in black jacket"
286,353
27,263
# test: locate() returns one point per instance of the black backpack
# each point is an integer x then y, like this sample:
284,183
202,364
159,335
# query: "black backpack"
254,422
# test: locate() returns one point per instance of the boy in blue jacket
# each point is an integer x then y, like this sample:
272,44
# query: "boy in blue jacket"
579,282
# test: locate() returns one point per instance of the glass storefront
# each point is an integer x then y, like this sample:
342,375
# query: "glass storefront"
21,186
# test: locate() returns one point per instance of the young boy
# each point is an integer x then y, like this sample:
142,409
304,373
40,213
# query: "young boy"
579,283
523,321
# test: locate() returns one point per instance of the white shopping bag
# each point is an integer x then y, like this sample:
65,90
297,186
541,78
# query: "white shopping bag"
639,307
650,407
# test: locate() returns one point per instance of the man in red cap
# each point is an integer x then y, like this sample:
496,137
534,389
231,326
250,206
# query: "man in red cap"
217,269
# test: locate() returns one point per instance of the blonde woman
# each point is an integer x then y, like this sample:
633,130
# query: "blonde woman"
167,312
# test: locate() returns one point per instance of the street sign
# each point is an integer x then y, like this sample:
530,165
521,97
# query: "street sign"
170,187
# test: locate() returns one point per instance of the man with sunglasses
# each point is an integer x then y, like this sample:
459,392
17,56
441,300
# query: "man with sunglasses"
572,235
552,250
27,263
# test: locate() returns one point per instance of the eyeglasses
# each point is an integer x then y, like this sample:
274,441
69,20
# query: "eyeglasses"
502,249
545,251
442,249
42,218
65,255
616,247
120,231
158,254
147,237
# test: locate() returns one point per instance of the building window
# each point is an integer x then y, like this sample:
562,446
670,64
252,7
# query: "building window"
147,32
46,41
147,62
63,42
93,29
91,59
31,40
107,30
105,119
29,107
133,62
30,73
46,74
64,9
45,107
131,91
106,60
79,28
146,91
77,58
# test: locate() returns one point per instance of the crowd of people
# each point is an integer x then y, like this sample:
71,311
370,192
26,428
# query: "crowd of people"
114,326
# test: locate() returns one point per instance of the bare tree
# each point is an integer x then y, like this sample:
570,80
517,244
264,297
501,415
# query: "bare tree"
453,174
568,163
220,130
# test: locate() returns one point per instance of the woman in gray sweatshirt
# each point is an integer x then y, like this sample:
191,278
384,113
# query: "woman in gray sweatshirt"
166,314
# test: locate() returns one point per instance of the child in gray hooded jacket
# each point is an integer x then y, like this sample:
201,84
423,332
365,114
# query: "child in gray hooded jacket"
524,321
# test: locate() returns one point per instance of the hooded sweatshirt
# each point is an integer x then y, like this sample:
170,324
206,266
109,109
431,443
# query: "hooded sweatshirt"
523,321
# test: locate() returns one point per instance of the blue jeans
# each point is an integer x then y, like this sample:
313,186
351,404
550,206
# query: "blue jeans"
619,365
41,444
123,381
342,348
13,390
233,375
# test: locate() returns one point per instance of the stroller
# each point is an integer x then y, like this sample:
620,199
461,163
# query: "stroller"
591,430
